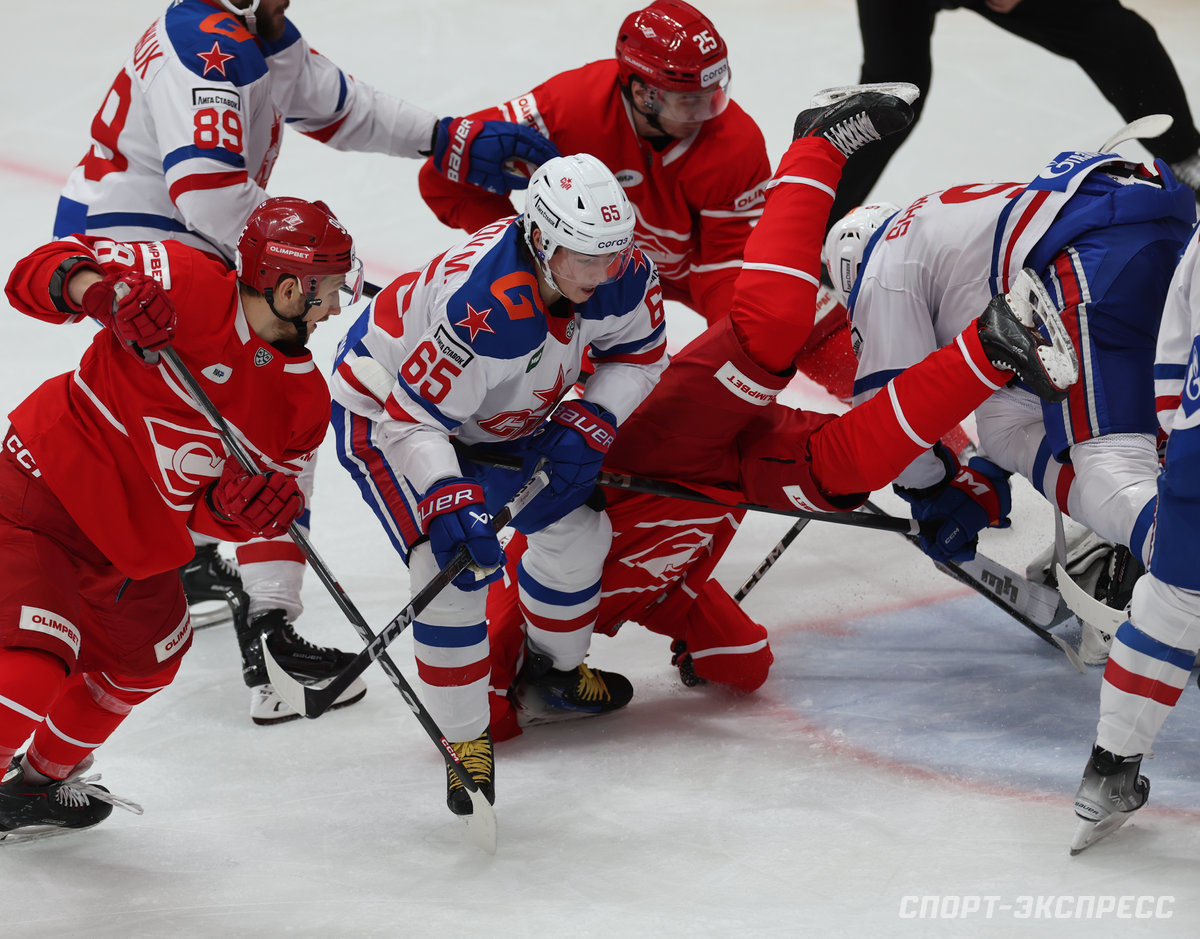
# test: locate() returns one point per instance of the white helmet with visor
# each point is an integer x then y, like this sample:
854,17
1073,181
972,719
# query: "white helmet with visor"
584,219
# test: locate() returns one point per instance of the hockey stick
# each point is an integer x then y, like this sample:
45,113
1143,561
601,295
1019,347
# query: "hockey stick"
1092,611
1152,125
379,382
769,561
1014,594
661,487
313,701
481,824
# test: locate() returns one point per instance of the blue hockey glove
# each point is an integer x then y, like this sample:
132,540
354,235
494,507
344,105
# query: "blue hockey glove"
495,155
574,442
453,515
970,499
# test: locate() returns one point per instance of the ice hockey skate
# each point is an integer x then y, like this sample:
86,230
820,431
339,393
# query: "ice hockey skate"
30,810
213,587
1110,792
546,695
682,660
1101,570
309,662
852,116
479,761
1009,331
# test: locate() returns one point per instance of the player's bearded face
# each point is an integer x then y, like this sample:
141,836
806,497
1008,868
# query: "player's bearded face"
269,19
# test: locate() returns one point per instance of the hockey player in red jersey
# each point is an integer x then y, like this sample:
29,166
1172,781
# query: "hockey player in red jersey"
183,147
713,423
107,470
691,161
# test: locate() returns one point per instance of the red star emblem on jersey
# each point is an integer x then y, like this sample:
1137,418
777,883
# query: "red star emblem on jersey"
215,58
637,259
551,395
476,321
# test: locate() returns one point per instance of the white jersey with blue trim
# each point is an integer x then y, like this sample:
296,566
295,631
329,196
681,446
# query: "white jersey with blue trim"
1179,346
937,264
185,139
465,348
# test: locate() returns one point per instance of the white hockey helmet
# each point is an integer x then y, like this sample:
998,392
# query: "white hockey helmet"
847,240
578,205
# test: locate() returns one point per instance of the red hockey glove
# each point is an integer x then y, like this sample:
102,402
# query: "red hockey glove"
134,307
264,504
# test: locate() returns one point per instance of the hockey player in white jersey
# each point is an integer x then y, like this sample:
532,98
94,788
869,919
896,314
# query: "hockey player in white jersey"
1101,235
479,348
1154,650
183,146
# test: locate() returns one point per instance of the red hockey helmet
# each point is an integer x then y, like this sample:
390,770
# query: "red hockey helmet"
678,53
286,235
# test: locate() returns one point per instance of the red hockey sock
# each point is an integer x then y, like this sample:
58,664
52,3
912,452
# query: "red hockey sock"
91,706
30,680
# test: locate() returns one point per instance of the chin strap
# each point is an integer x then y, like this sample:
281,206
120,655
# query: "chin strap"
247,14
298,322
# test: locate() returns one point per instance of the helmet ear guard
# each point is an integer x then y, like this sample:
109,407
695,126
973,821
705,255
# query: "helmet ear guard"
846,242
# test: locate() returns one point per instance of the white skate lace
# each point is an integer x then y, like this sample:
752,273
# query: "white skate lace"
1187,171
852,133
75,791
225,566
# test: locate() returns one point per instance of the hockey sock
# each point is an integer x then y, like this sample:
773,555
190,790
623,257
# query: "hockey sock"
774,302
30,680
868,447
91,706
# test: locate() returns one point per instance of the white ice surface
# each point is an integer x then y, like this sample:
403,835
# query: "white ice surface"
910,741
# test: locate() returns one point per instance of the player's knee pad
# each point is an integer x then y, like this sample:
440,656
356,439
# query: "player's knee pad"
1166,613
571,552
120,694
451,606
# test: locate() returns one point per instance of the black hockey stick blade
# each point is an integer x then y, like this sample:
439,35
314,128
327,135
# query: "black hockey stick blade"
313,700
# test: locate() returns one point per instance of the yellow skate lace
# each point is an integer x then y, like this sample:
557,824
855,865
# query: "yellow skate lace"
591,686
476,757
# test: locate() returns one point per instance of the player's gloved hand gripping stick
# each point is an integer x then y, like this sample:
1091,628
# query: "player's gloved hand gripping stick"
481,824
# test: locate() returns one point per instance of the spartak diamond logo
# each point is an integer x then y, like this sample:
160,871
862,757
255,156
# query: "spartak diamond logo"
188,458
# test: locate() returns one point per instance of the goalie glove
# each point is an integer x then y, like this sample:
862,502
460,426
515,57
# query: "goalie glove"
494,155
970,499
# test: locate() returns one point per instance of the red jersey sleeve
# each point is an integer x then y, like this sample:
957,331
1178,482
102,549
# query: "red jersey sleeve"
29,285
